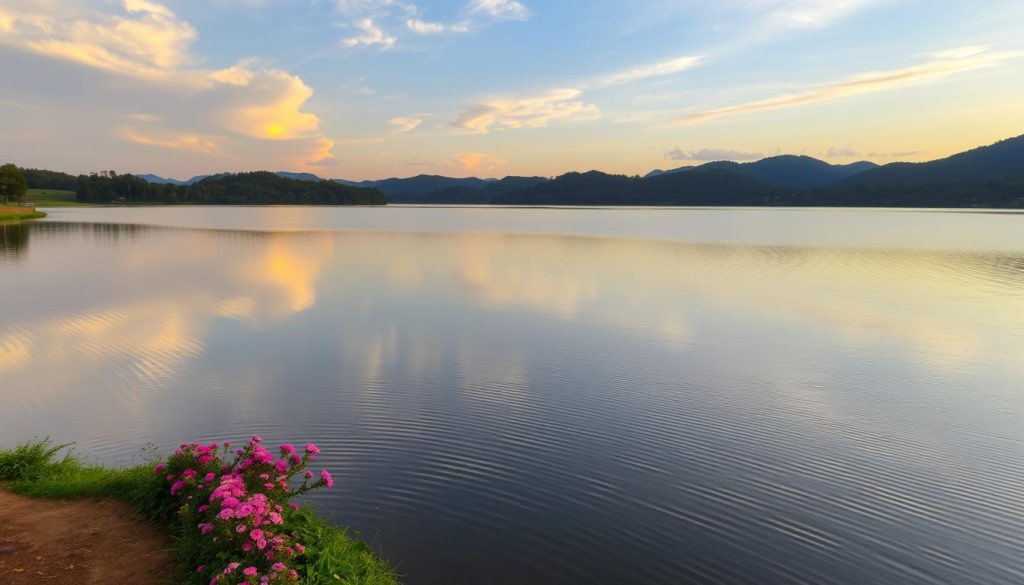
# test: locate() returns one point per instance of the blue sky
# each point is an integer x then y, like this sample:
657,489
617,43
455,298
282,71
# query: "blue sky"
375,88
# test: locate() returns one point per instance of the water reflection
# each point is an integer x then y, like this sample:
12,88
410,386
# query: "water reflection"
559,409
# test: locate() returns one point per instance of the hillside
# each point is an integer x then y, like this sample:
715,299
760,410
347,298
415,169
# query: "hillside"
419,184
705,187
997,161
790,171
258,188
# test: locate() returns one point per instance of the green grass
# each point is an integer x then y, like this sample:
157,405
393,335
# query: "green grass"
19,216
53,198
42,469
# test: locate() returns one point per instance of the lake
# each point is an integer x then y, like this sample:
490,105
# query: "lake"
511,396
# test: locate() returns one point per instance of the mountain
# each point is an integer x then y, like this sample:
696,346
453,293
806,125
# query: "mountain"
161,180
1004,159
419,184
436,189
790,171
298,176
698,187
258,188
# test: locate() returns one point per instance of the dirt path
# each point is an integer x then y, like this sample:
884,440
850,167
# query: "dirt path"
88,542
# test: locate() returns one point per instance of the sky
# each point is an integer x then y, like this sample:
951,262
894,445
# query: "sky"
368,89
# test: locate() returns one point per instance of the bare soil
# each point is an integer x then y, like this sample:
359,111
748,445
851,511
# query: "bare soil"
88,542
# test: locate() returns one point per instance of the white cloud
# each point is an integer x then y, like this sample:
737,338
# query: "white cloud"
531,112
371,35
841,152
146,39
660,69
435,28
943,64
500,9
146,48
805,14
712,154
566,103
403,125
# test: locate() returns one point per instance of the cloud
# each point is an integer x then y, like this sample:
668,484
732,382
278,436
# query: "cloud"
712,154
530,112
500,9
806,14
174,141
942,65
478,162
371,35
403,125
434,28
91,70
537,110
145,40
841,152
661,69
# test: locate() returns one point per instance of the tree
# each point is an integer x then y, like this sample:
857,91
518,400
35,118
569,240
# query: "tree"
12,183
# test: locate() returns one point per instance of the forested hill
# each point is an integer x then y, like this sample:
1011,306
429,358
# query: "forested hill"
704,187
1002,160
258,188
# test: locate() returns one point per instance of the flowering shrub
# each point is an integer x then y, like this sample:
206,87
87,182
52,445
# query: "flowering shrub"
239,508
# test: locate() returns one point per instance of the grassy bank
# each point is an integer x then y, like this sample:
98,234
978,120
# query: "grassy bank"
54,198
16,213
42,469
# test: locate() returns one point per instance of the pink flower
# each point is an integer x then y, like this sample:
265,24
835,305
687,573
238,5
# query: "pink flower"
300,548
256,439
326,478
160,468
189,474
309,475
251,571
287,448
312,449
256,534
226,514
293,506
281,466
278,566
240,528
202,508
177,487
200,568
295,458
205,528
209,477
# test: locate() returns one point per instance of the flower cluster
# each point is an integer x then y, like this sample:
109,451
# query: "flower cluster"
240,507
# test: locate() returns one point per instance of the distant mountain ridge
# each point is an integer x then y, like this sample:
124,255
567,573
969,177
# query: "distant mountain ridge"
996,161
793,171
989,176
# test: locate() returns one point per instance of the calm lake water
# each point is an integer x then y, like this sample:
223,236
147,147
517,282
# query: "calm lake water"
515,396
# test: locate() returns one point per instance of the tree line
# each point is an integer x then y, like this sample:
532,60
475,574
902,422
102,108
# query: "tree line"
256,188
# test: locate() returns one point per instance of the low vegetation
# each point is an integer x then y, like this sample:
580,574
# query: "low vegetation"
229,512
259,188
53,198
16,213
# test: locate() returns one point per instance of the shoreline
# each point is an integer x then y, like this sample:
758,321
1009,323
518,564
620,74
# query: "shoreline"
20,213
